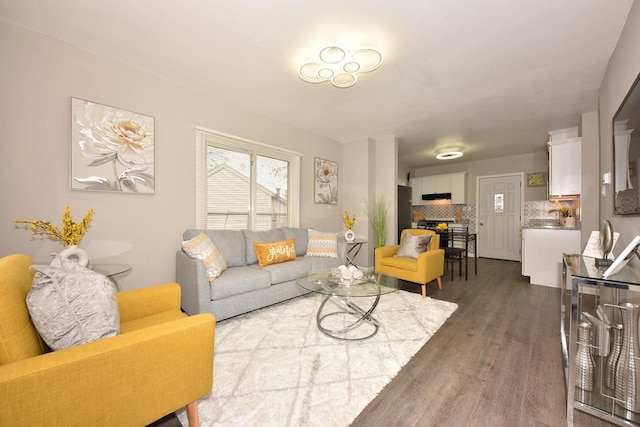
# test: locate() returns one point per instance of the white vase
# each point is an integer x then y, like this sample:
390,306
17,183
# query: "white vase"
349,235
570,222
73,251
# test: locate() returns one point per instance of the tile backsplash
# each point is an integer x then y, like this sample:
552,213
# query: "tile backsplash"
533,210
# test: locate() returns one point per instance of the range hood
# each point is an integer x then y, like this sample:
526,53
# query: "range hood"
437,196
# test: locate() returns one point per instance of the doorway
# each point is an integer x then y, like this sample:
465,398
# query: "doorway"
499,216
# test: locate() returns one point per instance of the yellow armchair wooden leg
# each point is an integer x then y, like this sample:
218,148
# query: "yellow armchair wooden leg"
439,279
424,290
192,414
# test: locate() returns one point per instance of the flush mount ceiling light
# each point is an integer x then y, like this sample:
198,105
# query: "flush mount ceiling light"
449,153
340,66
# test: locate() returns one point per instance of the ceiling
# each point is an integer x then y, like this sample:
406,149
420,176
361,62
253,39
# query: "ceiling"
489,76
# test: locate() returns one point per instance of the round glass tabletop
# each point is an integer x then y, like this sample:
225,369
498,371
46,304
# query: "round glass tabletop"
375,284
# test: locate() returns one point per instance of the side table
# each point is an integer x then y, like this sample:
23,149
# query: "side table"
110,270
353,249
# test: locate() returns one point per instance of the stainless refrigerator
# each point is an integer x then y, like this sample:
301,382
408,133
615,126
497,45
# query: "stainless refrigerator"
405,211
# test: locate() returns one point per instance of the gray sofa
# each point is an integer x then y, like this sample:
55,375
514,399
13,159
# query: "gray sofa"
244,286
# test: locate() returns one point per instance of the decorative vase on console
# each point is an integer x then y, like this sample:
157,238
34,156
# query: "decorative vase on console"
614,355
628,368
585,364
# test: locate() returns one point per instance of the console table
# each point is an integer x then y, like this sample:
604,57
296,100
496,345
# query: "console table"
353,250
587,296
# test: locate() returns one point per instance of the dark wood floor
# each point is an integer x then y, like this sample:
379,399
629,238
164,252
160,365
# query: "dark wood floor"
496,362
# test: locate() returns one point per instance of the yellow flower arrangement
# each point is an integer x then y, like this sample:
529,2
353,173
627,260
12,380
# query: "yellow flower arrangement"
349,220
442,226
69,234
565,211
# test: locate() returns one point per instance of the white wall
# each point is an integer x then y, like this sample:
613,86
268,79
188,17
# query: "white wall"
39,77
623,69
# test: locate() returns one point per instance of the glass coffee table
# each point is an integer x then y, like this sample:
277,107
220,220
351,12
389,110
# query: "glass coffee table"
349,316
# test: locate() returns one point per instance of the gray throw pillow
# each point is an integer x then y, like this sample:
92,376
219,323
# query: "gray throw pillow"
412,246
71,305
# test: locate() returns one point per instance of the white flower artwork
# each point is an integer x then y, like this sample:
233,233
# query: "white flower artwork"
326,182
112,149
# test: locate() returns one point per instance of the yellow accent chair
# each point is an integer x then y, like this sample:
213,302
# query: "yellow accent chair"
162,360
429,265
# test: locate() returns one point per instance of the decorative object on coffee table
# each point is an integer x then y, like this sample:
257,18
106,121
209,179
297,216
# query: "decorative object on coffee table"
69,234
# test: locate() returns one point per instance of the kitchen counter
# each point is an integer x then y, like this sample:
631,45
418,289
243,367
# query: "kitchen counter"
548,225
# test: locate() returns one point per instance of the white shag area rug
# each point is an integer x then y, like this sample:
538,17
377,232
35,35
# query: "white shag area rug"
273,367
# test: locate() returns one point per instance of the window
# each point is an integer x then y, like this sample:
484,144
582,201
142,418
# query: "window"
244,184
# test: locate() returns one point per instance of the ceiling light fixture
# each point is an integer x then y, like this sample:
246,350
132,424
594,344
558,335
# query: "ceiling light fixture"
449,153
340,66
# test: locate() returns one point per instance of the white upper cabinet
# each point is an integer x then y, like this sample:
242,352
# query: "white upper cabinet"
565,167
451,183
458,189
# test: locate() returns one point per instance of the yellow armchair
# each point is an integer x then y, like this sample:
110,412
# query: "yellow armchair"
161,361
429,265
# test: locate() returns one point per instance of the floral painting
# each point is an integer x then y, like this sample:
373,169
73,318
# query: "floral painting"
326,182
536,179
112,149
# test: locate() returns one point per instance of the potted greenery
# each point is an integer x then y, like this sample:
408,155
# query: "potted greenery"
377,213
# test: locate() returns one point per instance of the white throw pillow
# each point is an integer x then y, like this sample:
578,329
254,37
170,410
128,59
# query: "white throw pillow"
322,244
72,305
203,249
412,246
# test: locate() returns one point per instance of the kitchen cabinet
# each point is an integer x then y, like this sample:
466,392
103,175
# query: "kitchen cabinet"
458,189
542,251
565,167
450,183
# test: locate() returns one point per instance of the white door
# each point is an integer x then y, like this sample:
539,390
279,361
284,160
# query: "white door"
499,213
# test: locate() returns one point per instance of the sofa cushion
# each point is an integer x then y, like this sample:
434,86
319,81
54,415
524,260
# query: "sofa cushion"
266,236
403,263
322,244
240,280
412,246
275,252
203,249
287,271
230,243
301,236
72,305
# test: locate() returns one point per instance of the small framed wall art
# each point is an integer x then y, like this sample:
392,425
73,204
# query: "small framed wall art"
538,179
326,182
111,149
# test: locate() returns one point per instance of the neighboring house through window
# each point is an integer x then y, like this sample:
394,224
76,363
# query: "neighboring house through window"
244,184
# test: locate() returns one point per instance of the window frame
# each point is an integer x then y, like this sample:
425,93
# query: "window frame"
206,137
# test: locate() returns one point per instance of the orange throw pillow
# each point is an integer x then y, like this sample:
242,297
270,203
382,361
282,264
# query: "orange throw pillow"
275,252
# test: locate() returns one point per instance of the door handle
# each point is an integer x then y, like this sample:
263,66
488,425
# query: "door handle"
481,224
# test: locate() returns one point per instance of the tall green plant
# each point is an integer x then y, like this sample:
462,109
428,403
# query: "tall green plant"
377,213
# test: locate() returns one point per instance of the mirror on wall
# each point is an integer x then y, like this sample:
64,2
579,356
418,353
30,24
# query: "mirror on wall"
626,154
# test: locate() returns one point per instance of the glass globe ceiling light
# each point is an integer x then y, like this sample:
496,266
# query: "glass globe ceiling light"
340,66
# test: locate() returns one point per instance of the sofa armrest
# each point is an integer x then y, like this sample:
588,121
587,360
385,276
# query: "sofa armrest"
130,379
139,303
192,278
342,251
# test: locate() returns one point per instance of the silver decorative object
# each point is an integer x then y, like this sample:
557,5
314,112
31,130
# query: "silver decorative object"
614,355
627,371
585,365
